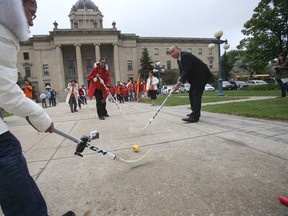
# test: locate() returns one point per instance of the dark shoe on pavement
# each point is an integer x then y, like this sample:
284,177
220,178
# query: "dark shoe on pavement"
190,120
101,118
75,110
69,213
106,115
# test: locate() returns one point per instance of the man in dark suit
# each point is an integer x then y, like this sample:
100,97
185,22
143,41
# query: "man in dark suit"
196,72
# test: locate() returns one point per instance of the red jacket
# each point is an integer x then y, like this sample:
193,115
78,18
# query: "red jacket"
104,75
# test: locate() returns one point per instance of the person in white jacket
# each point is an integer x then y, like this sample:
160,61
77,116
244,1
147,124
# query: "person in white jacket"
151,86
72,95
19,194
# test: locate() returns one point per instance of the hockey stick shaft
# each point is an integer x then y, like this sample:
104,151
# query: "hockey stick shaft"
92,147
158,110
154,116
130,163
111,96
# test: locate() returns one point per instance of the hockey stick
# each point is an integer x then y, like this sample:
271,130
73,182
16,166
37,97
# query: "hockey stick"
83,143
135,130
111,96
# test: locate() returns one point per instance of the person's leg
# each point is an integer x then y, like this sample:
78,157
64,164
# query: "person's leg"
282,86
19,194
99,103
286,87
75,104
153,97
79,102
191,98
196,96
71,104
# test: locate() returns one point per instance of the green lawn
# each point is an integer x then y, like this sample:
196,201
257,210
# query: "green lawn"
275,109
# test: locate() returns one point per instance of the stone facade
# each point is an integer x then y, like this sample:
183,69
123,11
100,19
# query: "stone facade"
67,54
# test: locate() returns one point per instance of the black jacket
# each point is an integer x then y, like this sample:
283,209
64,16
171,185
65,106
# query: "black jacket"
193,70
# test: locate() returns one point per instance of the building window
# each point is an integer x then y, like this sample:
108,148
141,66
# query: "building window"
26,56
167,51
27,71
210,63
168,65
71,67
129,65
45,69
156,51
200,51
210,51
189,50
88,64
47,86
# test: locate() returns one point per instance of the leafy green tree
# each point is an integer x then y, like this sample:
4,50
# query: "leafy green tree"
266,35
146,63
228,61
170,77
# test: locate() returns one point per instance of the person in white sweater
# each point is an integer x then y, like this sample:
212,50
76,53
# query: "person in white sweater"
19,194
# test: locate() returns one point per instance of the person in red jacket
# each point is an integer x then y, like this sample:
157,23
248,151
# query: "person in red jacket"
119,92
97,89
125,93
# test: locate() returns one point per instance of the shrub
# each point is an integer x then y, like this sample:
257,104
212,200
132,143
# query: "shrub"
267,87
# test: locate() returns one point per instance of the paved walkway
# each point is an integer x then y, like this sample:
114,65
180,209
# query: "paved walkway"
222,165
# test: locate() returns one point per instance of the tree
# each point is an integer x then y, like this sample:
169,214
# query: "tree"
170,77
228,61
267,34
146,63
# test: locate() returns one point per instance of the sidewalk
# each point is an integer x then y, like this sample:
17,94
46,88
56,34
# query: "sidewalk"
222,165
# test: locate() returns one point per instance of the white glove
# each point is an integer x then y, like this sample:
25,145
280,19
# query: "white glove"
95,79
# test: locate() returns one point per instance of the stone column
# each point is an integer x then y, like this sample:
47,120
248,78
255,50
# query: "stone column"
79,64
116,62
60,68
97,52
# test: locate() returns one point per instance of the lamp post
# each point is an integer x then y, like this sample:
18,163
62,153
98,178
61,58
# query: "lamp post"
218,36
158,70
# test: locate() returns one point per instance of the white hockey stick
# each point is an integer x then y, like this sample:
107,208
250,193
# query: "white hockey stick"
135,130
112,98
83,143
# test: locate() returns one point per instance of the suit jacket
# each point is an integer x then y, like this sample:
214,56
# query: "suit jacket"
193,70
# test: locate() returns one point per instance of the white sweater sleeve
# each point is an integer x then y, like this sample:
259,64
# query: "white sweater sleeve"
12,98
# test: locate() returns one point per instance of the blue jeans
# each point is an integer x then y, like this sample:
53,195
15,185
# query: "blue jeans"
283,86
19,194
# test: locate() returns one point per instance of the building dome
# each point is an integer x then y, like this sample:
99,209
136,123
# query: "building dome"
88,4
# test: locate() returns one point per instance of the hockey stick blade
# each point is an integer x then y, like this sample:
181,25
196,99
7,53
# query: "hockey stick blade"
137,162
136,130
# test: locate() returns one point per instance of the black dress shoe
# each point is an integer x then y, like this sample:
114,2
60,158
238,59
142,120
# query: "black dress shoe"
101,118
190,120
69,213
106,115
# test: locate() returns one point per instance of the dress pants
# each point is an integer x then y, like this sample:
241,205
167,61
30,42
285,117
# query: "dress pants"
100,103
195,97
19,194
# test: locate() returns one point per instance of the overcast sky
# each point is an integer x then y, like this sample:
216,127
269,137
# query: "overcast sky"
165,18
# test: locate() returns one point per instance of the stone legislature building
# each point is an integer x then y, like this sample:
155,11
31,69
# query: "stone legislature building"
65,54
